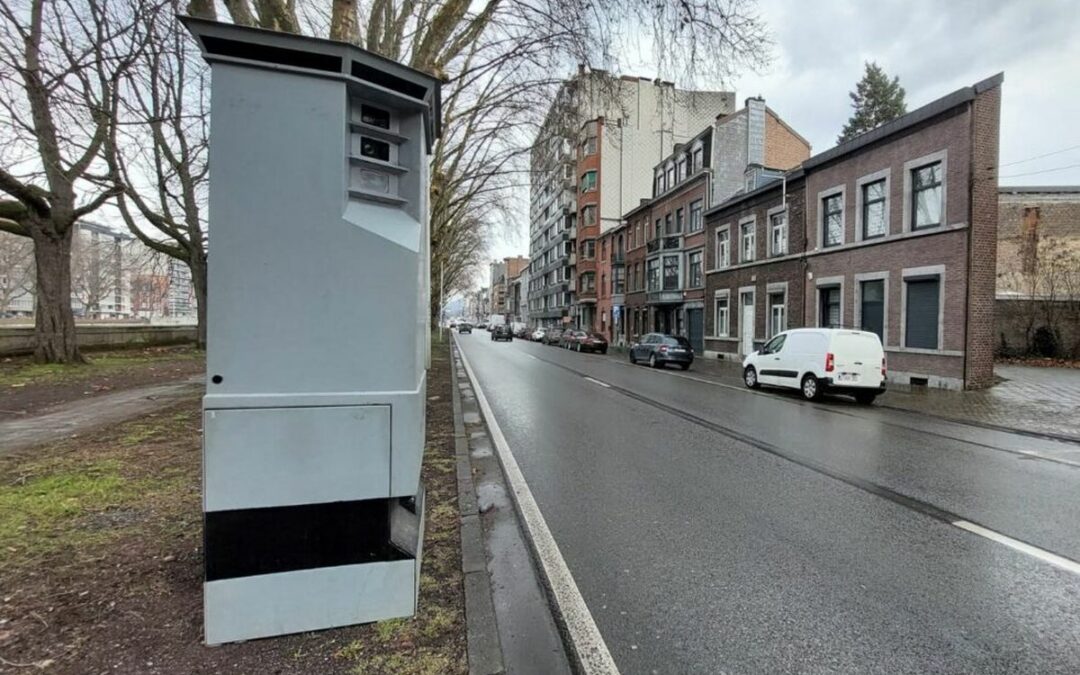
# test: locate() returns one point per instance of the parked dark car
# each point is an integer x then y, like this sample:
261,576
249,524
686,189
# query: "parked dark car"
482,325
591,342
522,332
553,336
464,328
502,332
658,350
570,338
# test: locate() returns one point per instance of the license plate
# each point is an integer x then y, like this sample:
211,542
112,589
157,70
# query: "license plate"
677,351
848,377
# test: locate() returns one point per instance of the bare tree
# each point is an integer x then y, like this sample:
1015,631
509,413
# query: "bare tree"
158,149
60,64
16,269
503,62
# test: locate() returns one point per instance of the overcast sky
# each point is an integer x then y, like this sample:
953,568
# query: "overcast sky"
934,47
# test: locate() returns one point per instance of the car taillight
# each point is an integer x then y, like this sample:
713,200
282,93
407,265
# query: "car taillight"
884,370
663,349
830,362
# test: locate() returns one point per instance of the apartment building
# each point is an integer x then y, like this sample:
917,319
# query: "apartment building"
591,162
894,231
665,238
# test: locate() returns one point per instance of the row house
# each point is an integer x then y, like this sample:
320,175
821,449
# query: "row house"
664,236
893,232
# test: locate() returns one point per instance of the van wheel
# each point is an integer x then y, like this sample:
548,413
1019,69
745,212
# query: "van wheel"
749,377
810,389
865,397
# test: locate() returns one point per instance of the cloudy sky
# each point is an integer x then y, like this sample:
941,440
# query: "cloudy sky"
934,47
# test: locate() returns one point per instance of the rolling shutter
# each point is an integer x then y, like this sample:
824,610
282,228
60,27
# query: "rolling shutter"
923,302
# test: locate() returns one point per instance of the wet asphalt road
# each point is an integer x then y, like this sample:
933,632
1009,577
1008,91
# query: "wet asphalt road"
712,529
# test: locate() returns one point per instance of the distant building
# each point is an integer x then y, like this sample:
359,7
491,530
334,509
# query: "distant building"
502,272
590,164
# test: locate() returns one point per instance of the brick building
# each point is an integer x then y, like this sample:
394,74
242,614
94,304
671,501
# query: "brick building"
1038,270
894,231
665,269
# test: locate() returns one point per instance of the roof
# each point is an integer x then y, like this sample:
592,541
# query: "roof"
741,197
382,78
917,116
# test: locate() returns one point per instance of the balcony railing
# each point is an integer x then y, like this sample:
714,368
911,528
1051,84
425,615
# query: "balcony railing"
652,246
672,242
663,297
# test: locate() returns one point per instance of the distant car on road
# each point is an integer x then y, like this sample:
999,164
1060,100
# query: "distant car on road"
592,342
552,336
482,326
502,332
570,338
818,361
538,335
658,350
464,328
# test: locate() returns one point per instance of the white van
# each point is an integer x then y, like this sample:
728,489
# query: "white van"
818,361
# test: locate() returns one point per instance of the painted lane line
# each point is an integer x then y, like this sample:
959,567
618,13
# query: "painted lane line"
1034,551
586,644
594,381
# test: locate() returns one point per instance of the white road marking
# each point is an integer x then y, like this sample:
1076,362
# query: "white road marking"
585,639
605,385
1045,556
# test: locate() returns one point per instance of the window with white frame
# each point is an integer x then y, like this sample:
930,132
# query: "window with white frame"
695,278
723,248
778,233
652,271
722,316
695,216
926,196
671,176
682,168
588,181
746,237
679,218
777,313
832,219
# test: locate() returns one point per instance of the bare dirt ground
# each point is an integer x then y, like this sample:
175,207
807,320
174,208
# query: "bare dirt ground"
28,388
101,561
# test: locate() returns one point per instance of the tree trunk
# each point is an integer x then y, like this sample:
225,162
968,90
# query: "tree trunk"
198,281
54,322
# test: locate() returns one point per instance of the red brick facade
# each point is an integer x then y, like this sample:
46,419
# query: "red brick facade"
946,247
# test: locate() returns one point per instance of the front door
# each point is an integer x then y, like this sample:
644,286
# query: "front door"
746,323
695,318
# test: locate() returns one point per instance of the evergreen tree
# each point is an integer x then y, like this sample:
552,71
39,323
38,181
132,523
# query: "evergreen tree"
876,100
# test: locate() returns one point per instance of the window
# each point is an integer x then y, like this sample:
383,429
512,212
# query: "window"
588,282
659,183
653,272
723,323
670,176
588,215
832,208
695,216
658,229
588,181
617,282
829,306
588,249
678,220
603,284
698,155
873,209
588,146
777,314
723,248
640,278
926,196
671,273
921,316
872,307
693,264
603,250
774,345
682,169
668,229
747,238
778,233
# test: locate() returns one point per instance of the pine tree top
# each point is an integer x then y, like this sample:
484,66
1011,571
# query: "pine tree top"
876,100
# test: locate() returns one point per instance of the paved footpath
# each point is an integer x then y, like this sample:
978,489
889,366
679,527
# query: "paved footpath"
62,421
1041,401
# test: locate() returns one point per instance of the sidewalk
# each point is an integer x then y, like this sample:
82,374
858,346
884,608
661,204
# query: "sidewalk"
1040,401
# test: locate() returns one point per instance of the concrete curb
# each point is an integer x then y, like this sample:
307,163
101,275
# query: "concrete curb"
481,631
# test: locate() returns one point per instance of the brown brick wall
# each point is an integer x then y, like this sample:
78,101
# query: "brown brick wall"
986,115
783,149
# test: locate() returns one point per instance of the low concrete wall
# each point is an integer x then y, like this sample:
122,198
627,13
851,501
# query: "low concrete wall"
20,339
